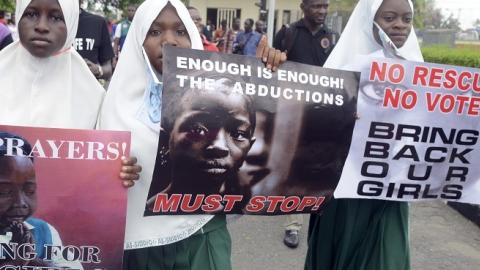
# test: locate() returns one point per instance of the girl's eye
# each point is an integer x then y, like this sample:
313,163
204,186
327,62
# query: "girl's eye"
30,190
240,135
182,32
407,19
30,14
154,33
197,132
389,18
57,18
5,192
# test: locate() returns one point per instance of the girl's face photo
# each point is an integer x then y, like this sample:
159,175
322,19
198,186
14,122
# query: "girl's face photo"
167,28
42,28
395,17
18,197
211,135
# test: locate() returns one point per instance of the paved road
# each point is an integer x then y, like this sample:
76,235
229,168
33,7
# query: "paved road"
441,239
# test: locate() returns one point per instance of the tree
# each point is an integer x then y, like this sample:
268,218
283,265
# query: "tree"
451,23
432,16
476,24
120,4
420,8
8,5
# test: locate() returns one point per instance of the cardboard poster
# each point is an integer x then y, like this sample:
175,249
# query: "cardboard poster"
62,203
417,133
237,138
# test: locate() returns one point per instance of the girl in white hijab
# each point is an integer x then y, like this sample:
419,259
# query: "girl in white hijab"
133,102
44,81
354,234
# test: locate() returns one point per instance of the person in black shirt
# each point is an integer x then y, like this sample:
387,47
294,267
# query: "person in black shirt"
307,41
93,44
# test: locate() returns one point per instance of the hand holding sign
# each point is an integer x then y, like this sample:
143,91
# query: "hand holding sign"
271,57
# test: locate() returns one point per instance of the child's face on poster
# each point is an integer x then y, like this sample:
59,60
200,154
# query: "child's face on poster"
18,196
212,135
42,28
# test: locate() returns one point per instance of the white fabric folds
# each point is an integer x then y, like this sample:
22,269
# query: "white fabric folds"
120,112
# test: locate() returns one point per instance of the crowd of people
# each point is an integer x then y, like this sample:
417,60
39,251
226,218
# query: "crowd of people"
47,83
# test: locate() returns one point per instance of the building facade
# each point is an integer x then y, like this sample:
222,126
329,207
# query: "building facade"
286,11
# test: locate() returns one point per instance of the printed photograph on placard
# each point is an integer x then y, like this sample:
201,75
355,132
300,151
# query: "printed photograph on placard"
57,186
237,138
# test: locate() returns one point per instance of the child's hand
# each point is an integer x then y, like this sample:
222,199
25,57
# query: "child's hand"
130,171
270,56
20,233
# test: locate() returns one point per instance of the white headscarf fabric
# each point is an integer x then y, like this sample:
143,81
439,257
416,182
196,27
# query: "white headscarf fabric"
124,97
56,91
358,39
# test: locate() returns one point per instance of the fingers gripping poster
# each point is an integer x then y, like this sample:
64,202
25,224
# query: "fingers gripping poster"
237,138
417,134
62,205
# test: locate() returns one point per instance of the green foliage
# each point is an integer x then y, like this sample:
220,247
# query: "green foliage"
121,4
8,5
467,56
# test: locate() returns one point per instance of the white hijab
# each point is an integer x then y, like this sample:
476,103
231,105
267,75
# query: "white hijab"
358,39
120,112
56,91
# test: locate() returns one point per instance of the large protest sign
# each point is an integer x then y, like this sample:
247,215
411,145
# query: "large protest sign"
417,134
237,138
62,205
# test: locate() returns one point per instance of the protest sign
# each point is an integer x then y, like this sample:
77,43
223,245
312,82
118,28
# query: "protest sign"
237,138
62,205
417,134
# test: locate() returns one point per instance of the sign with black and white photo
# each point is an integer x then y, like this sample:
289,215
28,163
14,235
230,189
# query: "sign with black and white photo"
238,138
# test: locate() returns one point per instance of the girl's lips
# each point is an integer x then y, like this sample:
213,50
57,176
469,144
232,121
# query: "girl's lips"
40,42
214,167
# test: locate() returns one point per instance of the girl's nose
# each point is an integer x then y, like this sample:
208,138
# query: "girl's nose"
42,25
218,146
169,38
19,200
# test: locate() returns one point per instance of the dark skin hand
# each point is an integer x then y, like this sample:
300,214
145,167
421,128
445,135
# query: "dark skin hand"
130,171
95,69
22,235
271,57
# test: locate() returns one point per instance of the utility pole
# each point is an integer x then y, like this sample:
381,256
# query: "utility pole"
271,17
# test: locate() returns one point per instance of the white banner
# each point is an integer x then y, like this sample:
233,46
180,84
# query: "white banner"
417,134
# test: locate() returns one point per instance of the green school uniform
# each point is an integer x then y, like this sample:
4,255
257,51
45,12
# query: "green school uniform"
207,249
359,235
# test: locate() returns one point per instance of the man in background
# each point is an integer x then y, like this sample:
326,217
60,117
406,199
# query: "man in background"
232,35
122,28
221,34
3,20
93,44
197,19
247,41
260,27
